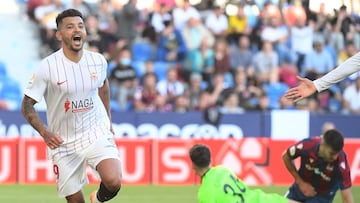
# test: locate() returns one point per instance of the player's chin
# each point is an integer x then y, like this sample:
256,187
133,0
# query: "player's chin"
77,48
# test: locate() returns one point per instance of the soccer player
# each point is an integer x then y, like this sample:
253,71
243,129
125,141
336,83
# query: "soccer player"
307,87
79,131
220,185
323,170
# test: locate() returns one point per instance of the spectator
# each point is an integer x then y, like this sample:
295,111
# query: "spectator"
263,103
215,90
97,39
351,101
217,23
127,19
81,6
222,59
45,14
318,62
106,17
301,40
265,62
199,61
245,90
238,25
194,32
181,104
241,57
145,95
231,104
193,90
170,87
161,104
159,18
123,81
171,44
183,13
275,89
343,23
278,35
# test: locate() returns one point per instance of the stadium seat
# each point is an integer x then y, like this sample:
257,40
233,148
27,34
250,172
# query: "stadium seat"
160,69
139,67
11,92
142,51
3,70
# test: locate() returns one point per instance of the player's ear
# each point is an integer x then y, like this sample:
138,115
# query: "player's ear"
58,35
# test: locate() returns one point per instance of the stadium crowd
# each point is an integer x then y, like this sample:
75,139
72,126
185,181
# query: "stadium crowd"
179,57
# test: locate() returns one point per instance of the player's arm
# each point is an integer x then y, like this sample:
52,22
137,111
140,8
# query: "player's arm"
347,196
306,188
307,87
27,109
104,93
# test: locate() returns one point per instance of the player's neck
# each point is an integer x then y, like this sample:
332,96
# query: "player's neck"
74,56
204,171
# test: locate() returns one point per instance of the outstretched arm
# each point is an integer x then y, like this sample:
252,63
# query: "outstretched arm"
305,89
27,109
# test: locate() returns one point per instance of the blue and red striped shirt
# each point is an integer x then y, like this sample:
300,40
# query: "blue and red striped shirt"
325,177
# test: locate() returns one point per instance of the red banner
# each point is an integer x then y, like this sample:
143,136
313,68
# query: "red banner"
257,161
8,160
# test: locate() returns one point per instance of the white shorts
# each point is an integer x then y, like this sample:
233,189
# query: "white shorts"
70,170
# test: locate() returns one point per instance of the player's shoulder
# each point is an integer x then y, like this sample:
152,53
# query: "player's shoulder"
52,58
93,53
96,56
309,143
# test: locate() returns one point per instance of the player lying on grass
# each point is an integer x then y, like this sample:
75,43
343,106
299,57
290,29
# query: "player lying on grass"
323,170
220,185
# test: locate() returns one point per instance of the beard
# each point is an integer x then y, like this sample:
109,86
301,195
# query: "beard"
73,45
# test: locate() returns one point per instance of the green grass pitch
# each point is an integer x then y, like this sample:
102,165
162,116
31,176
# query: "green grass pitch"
134,194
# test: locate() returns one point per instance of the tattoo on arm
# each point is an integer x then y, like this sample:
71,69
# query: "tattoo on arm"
32,117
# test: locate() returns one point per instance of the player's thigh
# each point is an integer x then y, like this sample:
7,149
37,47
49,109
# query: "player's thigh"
104,157
70,172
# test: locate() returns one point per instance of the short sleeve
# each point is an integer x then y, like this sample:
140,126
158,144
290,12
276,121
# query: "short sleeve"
37,84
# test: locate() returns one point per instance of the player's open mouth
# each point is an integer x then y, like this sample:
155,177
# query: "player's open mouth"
77,40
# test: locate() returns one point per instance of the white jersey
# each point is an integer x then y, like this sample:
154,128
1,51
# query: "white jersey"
74,108
350,66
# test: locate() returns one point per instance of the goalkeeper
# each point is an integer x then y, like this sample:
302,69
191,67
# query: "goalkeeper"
220,185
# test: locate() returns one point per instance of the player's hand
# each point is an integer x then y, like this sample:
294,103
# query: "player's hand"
307,189
305,88
51,139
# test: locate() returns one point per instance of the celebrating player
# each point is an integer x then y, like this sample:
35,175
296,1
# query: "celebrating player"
79,132
323,170
307,87
219,184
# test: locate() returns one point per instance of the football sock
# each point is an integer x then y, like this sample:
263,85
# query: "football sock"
96,199
104,194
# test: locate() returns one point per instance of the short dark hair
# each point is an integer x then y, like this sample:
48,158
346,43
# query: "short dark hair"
67,13
334,139
200,155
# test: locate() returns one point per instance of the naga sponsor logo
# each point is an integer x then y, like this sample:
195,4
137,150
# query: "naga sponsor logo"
318,172
81,105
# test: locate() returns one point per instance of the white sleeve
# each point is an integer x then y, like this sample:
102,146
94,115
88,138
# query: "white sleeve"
37,84
344,70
